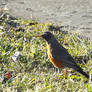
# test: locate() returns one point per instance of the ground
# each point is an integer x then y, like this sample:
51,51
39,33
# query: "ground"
24,64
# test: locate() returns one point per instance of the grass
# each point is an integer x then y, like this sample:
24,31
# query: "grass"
33,72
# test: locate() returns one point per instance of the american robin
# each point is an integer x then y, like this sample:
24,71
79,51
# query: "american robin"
58,55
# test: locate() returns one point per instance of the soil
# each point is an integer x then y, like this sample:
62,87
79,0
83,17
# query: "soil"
76,14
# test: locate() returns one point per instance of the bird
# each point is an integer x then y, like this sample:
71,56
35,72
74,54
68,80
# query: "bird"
58,55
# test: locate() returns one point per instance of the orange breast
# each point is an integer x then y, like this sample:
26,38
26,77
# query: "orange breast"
55,62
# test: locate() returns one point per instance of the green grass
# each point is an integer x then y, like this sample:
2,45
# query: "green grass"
33,72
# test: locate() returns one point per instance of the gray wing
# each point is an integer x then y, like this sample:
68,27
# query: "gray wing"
63,56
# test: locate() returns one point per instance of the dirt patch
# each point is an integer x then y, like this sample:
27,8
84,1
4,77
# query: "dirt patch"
77,14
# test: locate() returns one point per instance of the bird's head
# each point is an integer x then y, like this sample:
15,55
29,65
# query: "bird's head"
47,36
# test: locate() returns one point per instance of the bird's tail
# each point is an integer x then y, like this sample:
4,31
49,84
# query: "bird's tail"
80,70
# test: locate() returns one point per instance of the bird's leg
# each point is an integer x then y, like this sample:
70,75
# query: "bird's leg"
56,70
65,73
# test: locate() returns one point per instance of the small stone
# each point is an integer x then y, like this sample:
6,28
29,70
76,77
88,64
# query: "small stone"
16,56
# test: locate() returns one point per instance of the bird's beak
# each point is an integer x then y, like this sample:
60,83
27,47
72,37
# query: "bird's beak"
38,36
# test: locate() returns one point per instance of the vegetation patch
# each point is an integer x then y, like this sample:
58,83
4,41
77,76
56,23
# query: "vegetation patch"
24,65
